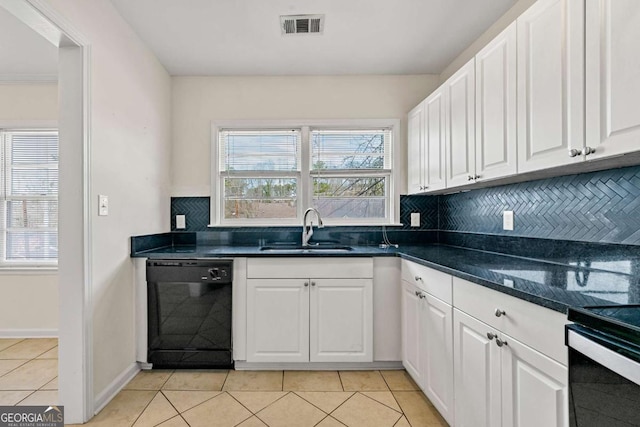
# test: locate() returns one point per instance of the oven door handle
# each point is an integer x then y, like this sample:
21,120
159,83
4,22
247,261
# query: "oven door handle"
608,358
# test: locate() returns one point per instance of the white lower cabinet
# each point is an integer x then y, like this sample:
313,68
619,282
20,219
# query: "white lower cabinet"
341,320
411,336
500,381
427,340
277,320
483,358
310,319
477,373
437,357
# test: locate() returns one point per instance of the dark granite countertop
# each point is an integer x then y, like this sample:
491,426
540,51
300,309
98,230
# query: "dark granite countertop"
580,279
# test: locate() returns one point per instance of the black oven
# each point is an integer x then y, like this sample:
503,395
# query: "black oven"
189,313
604,366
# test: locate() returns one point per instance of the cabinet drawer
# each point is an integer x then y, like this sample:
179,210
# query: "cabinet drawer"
429,280
293,268
536,326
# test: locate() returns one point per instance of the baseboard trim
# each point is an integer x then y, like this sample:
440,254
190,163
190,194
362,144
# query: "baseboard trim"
241,365
105,396
28,333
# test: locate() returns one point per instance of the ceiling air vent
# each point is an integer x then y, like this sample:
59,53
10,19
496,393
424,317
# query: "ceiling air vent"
302,24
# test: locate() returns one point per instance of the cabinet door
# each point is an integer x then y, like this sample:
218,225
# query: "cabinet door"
530,382
496,107
411,334
612,70
550,84
341,320
437,354
434,141
415,150
277,320
476,373
460,126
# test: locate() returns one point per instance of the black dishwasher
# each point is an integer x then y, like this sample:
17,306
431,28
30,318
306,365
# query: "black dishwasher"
189,313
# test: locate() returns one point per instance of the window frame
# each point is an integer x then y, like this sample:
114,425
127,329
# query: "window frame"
8,128
305,187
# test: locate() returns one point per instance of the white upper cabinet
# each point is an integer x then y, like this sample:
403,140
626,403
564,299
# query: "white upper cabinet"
496,107
426,151
415,150
460,126
551,84
434,140
612,77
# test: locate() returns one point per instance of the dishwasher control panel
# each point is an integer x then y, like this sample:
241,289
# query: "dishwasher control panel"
189,270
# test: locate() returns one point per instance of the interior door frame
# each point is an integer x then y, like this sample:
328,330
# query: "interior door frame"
75,365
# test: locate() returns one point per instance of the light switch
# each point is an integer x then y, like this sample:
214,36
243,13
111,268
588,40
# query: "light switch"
103,205
181,222
415,219
507,220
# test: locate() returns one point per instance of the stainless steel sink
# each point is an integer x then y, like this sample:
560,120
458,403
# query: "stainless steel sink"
312,248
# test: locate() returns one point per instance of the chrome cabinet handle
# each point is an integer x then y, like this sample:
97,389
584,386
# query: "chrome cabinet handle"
491,336
313,283
418,279
500,342
574,152
306,284
500,313
589,150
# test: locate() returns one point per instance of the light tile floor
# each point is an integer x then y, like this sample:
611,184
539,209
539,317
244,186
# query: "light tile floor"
28,371
167,398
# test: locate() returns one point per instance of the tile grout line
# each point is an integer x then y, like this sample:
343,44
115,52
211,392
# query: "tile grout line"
145,407
315,406
201,403
341,383
394,398
256,414
21,340
386,406
25,362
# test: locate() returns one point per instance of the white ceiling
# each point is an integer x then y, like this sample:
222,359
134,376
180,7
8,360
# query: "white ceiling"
242,37
25,55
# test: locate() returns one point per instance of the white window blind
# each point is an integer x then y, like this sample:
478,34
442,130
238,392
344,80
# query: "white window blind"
260,174
351,173
29,207
255,150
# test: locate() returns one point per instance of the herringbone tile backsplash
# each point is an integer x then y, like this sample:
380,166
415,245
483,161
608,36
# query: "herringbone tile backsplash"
599,207
593,207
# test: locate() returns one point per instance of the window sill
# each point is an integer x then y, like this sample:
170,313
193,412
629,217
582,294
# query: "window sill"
9,270
245,225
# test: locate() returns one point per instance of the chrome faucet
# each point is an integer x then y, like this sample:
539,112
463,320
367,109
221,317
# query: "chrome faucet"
307,231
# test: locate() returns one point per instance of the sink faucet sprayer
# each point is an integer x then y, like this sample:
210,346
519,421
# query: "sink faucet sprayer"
308,232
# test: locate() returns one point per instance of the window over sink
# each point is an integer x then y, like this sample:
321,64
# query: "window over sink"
269,173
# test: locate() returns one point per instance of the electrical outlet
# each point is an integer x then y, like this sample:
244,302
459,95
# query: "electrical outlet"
415,219
103,205
507,220
181,222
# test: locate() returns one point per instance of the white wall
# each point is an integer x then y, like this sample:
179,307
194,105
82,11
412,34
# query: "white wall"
130,140
199,100
495,29
28,301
